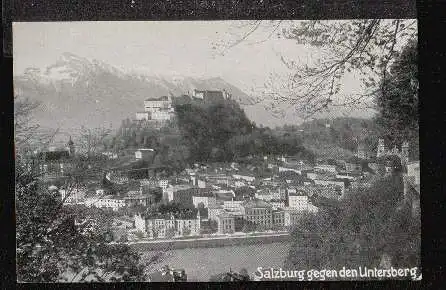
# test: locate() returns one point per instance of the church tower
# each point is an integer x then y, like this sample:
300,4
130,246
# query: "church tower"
71,148
381,148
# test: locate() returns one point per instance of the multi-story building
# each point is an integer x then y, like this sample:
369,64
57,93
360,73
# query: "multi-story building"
157,110
312,175
278,218
149,183
233,205
161,226
238,183
144,154
298,201
246,177
268,194
201,183
226,223
206,199
337,183
163,183
52,163
142,116
258,212
285,169
116,177
349,175
218,178
110,155
210,96
197,180
326,168
292,217
353,165
110,201
277,203
157,104
72,195
214,211
139,199
174,192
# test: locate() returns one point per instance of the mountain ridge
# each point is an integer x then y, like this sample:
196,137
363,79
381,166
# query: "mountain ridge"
76,91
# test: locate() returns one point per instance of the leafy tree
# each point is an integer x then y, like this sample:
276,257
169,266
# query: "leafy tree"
50,247
358,230
338,48
398,99
51,244
91,141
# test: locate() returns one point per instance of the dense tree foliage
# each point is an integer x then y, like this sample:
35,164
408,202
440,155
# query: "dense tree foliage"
208,128
51,247
398,100
334,50
222,132
358,231
213,131
345,133
55,242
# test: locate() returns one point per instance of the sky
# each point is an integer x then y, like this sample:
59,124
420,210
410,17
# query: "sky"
183,48
161,48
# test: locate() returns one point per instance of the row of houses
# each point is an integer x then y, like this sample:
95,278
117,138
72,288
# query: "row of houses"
257,213
143,197
261,214
168,225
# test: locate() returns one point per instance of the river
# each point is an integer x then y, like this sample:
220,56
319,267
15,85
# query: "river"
201,263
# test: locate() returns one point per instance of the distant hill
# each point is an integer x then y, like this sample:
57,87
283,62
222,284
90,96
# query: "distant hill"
336,137
76,91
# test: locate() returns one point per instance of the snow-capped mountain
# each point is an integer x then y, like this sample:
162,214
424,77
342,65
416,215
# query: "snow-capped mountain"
76,91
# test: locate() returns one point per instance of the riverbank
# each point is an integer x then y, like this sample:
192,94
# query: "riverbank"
210,242
202,263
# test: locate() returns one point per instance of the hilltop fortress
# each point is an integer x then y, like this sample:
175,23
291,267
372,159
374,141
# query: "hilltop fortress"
158,111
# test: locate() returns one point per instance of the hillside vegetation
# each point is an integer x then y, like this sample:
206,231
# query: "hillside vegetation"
211,132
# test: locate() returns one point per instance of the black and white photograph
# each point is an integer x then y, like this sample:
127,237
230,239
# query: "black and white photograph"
217,151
